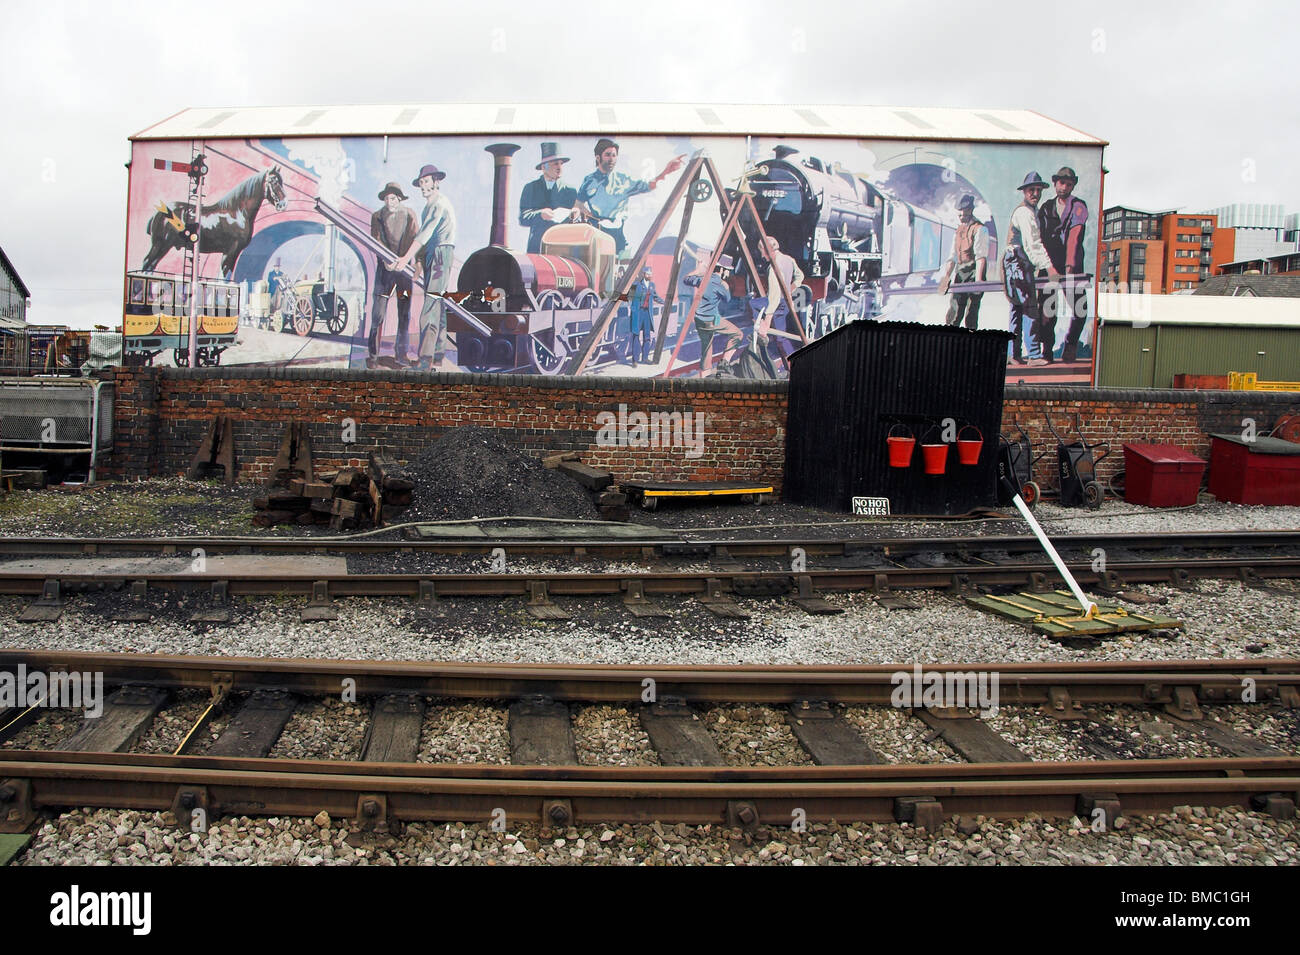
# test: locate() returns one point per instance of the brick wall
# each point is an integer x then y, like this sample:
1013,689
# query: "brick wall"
1142,416
162,414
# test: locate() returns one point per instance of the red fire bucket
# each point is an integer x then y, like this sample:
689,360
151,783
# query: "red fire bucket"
968,452
936,458
900,449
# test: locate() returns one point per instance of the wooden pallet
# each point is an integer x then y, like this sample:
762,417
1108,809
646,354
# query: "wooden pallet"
1057,614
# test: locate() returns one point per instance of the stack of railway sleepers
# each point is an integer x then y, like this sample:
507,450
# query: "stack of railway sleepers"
345,499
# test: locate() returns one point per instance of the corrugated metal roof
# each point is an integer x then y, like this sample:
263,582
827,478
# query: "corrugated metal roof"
1129,309
866,122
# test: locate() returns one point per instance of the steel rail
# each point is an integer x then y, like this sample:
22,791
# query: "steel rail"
655,546
378,793
740,583
381,793
1137,682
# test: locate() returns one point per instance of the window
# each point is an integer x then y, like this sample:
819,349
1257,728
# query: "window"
1138,253
160,295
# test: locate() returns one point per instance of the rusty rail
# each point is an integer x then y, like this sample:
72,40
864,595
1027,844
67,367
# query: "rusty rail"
378,794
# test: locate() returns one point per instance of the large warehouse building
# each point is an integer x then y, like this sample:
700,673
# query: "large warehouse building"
1147,341
585,239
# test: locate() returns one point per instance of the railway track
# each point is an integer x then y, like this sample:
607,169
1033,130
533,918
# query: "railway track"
841,775
654,547
49,569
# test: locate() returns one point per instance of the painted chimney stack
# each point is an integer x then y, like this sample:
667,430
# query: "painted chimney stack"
501,153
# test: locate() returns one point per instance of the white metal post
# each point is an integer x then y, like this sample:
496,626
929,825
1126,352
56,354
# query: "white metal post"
1089,608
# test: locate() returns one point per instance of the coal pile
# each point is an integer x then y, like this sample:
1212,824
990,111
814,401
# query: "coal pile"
473,473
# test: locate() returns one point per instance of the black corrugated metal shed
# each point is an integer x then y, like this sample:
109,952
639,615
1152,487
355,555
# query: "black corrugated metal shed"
850,387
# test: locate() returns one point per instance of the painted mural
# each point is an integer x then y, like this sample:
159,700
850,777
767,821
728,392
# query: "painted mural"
640,256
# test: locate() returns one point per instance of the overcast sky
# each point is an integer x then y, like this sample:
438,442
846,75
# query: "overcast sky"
1198,100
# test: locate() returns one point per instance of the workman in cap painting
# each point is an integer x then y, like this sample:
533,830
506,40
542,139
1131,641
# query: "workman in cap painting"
394,227
436,241
967,262
1061,220
1023,261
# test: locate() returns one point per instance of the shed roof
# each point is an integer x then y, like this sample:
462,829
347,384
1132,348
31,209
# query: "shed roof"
1121,308
1264,286
13,274
868,122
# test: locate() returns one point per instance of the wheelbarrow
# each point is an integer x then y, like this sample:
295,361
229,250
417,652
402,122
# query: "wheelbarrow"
1077,468
1016,460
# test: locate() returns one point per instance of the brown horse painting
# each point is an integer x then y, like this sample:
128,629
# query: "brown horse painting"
226,226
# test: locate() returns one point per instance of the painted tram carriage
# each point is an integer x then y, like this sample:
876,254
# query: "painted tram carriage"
157,318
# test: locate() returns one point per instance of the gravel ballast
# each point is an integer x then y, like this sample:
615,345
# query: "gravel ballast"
1187,836
472,473
1223,619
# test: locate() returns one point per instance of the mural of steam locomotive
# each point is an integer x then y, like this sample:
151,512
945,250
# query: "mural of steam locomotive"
852,240
520,309
537,306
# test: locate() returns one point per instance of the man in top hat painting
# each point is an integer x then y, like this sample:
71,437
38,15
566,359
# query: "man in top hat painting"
395,227
1025,258
604,193
546,201
437,239
1061,220
968,262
